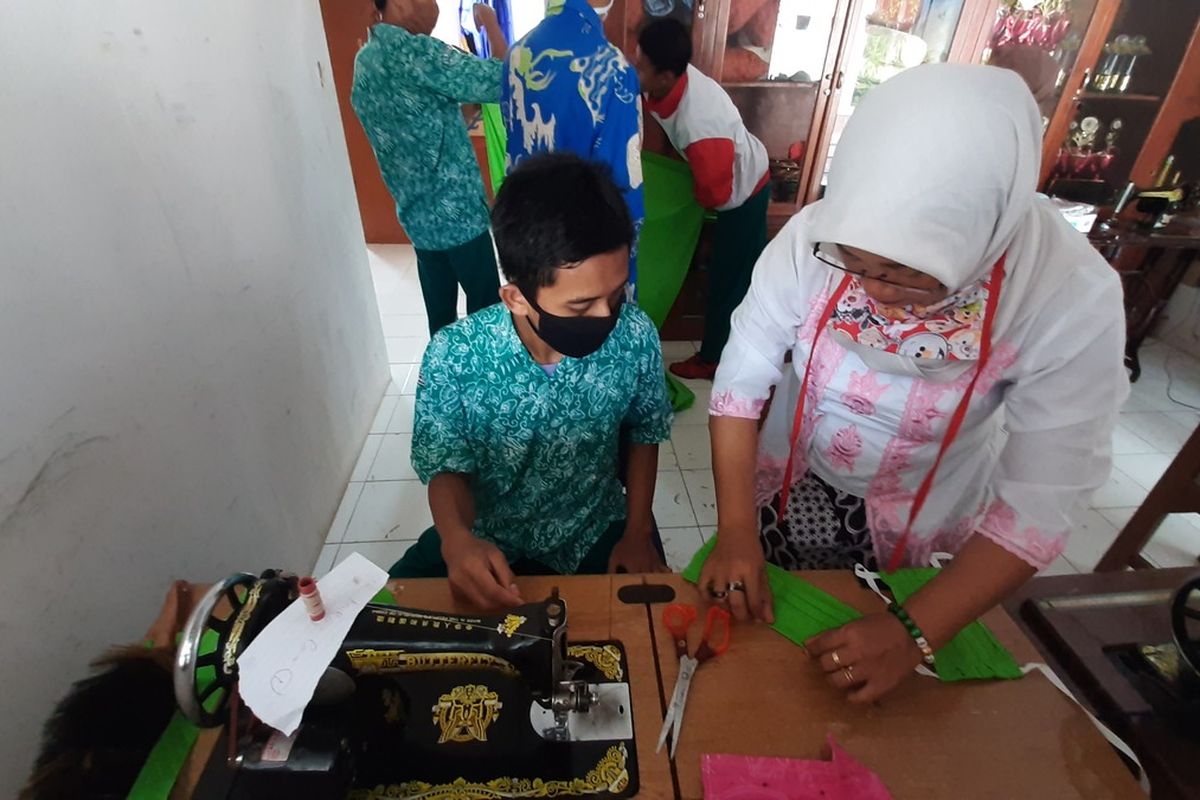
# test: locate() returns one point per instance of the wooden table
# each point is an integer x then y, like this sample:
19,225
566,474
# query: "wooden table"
1088,615
1159,261
1003,739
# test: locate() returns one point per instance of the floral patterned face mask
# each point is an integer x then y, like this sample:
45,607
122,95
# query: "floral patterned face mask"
950,330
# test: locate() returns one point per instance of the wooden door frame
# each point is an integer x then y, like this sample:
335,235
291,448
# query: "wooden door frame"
1090,50
710,28
827,94
971,36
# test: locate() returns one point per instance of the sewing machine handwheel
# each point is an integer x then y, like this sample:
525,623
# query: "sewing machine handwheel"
202,687
1185,622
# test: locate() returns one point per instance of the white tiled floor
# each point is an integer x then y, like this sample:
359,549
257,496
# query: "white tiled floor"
384,508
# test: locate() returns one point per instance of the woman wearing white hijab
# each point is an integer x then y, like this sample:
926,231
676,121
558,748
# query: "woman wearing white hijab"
961,348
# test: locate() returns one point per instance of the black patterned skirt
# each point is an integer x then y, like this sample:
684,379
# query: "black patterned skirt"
823,528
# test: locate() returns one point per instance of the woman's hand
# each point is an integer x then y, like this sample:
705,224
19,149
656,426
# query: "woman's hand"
635,552
485,16
737,560
867,657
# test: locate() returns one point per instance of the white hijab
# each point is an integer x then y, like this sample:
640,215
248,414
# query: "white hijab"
937,169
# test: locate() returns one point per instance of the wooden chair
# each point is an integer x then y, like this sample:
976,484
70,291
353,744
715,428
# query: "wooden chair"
1177,492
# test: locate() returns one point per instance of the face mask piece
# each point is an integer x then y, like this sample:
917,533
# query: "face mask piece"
575,337
801,609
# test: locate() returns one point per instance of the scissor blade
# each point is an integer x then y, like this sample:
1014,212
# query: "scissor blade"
687,669
673,706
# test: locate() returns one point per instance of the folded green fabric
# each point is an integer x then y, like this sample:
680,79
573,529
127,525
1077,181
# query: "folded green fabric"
974,654
801,609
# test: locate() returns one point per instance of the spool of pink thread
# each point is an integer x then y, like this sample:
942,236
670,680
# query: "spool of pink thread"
312,599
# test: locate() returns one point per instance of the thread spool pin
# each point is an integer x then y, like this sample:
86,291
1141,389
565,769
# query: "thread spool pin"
312,599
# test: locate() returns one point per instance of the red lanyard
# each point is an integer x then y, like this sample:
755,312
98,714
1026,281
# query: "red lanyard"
985,351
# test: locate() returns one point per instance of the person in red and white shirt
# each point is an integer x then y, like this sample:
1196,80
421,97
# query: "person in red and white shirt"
729,167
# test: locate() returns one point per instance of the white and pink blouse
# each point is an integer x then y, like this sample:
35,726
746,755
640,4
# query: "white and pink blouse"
1035,442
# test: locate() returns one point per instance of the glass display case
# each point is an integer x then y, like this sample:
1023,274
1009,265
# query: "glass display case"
1129,61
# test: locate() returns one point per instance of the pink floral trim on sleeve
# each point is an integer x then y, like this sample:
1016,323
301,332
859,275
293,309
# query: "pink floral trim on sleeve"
729,404
1036,547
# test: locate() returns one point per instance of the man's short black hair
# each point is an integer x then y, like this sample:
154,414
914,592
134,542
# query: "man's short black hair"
553,212
668,45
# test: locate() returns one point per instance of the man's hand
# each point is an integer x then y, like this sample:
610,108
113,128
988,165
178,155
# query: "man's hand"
738,560
635,552
479,573
485,16
867,657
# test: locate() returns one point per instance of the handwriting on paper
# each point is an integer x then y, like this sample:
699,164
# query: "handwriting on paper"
279,670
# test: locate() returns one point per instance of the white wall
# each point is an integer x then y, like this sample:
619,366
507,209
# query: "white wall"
190,353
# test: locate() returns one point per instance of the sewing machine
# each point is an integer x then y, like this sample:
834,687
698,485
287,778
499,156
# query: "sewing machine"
419,703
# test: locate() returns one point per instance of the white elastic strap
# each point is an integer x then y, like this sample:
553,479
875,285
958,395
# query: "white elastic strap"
872,580
1105,731
939,560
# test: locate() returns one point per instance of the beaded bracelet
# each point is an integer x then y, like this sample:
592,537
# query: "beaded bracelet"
915,632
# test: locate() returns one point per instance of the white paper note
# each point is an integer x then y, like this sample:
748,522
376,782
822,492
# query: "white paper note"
279,671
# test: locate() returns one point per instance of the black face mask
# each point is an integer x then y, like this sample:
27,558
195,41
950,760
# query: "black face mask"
576,337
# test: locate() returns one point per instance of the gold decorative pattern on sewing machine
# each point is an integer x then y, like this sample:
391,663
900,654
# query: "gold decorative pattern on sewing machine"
509,625
465,713
417,619
610,775
604,657
387,662
229,657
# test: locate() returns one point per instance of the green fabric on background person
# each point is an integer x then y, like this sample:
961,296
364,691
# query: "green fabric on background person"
473,265
738,241
424,558
801,610
974,653
495,137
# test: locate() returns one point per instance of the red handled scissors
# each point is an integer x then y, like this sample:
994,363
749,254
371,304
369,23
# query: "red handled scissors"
678,618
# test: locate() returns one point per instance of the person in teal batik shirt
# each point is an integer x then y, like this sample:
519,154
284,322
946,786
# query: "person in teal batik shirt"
567,88
408,93
521,407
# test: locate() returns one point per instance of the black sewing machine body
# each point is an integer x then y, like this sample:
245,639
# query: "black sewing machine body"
421,704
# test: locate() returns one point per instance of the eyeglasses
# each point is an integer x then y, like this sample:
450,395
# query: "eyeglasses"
822,252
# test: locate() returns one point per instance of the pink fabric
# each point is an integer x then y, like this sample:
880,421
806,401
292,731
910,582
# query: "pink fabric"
888,500
840,777
863,391
1030,544
728,404
845,448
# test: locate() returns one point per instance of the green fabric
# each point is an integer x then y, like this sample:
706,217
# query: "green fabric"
441,272
165,761
738,241
540,450
408,92
495,138
669,235
974,654
801,610
678,393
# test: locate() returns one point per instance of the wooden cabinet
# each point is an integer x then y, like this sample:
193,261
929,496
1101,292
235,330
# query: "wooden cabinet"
797,68
1130,81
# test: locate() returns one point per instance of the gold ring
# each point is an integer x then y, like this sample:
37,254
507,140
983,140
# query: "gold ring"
849,673
837,661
